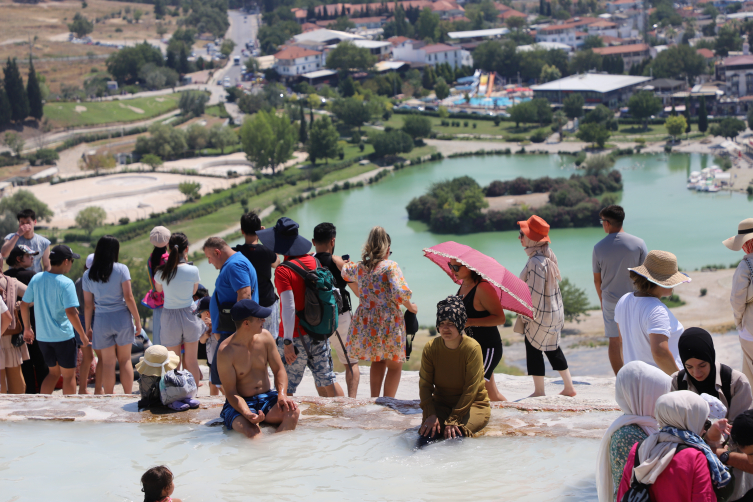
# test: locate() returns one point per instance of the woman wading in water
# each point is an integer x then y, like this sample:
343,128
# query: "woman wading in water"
484,315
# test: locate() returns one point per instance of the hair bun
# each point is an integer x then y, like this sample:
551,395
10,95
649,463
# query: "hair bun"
176,247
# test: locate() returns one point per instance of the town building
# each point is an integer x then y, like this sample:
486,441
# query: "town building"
381,49
631,54
432,54
737,74
596,88
294,61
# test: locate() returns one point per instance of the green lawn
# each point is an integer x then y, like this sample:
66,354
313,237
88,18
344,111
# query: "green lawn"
505,129
104,112
653,133
217,111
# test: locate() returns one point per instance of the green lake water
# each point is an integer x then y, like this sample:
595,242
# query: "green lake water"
659,207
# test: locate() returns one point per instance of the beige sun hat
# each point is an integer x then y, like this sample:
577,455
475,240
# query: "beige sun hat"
744,234
157,361
660,267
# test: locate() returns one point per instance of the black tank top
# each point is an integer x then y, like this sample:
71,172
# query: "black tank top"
485,335
326,260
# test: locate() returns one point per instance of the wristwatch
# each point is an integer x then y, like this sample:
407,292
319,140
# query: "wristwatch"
287,342
724,457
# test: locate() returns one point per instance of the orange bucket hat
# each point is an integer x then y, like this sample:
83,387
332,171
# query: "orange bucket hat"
535,228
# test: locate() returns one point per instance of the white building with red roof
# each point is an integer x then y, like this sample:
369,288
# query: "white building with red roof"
293,61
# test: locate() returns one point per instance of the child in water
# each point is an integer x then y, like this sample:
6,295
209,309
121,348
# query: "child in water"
157,485
209,338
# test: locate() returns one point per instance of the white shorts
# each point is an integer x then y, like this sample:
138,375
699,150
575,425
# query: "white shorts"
343,328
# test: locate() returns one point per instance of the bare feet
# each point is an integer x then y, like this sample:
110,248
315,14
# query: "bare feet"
536,394
569,393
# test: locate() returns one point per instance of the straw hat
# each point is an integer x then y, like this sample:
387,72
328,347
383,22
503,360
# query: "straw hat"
157,361
744,234
535,228
660,267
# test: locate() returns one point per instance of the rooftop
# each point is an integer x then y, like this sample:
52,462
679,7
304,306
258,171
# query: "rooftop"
325,36
598,82
494,32
295,53
621,49
398,40
319,73
431,49
707,53
371,44
738,60
549,46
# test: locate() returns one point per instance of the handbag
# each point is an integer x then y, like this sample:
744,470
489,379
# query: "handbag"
153,299
411,327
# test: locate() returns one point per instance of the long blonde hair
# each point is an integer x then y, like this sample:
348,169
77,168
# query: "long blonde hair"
375,248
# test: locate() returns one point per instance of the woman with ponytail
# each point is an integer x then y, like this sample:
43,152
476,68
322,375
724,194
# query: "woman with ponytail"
179,280
159,238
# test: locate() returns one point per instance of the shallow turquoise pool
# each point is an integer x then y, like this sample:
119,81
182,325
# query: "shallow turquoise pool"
55,461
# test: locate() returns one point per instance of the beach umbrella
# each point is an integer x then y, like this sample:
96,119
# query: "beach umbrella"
513,293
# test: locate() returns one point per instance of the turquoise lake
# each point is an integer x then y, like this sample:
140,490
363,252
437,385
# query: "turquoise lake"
660,209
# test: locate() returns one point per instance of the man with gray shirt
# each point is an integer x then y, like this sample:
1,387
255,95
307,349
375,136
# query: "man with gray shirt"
611,258
27,220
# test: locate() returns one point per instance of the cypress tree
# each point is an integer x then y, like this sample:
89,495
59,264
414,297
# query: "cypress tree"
311,114
703,117
36,109
183,65
171,63
14,88
549,9
542,10
673,112
687,114
303,136
4,108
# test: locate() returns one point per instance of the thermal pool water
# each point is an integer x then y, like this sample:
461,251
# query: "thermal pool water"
65,461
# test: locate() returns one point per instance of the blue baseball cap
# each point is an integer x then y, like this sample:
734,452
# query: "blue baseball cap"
248,308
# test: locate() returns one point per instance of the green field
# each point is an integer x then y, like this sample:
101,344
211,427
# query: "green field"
104,112
505,129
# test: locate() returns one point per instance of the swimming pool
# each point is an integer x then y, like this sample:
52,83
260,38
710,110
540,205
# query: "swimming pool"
41,460
499,101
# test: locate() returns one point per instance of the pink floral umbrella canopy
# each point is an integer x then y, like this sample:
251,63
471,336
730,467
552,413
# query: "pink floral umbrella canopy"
513,293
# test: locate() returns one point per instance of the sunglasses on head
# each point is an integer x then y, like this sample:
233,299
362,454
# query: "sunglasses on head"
455,268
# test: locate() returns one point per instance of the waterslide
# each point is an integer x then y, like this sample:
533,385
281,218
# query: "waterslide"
482,85
490,85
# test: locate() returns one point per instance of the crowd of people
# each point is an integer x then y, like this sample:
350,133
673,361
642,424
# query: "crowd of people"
687,429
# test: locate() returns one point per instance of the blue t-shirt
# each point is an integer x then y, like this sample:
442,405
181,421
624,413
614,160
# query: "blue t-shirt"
237,273
108,296
51,294
179,292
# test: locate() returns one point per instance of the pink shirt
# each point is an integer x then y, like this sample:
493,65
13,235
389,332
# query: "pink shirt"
686,479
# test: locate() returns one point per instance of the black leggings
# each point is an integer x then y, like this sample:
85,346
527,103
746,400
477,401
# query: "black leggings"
535,360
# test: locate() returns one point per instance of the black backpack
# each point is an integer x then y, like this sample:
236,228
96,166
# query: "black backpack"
726,374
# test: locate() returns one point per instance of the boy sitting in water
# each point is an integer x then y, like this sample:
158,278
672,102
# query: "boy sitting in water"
242,361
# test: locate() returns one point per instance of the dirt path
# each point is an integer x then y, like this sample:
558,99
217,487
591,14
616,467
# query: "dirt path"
532,200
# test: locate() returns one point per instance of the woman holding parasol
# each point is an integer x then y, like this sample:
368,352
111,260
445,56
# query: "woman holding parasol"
487,289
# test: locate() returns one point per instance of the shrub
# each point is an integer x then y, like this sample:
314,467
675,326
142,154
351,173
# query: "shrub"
474,125
539,136
704,291
125,220
465,123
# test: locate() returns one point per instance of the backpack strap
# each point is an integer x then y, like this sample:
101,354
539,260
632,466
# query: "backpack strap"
301,269
682,384
726,374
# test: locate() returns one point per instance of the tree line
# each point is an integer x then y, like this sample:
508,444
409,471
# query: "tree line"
18,102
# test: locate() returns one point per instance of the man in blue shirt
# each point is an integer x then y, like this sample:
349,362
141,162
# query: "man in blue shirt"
56,315
237,281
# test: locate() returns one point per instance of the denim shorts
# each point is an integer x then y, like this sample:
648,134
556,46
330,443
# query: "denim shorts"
319,362
112,328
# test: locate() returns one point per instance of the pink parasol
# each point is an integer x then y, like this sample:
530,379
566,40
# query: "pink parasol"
513,293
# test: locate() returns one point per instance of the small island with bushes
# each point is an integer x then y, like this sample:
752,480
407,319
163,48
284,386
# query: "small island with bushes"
461,205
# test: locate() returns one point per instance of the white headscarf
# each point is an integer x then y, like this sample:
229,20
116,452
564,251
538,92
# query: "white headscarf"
637,388
683,410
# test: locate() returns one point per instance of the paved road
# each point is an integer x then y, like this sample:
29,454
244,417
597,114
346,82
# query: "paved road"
243,27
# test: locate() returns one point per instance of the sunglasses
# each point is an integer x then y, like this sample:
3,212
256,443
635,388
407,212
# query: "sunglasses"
455,268
521,235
